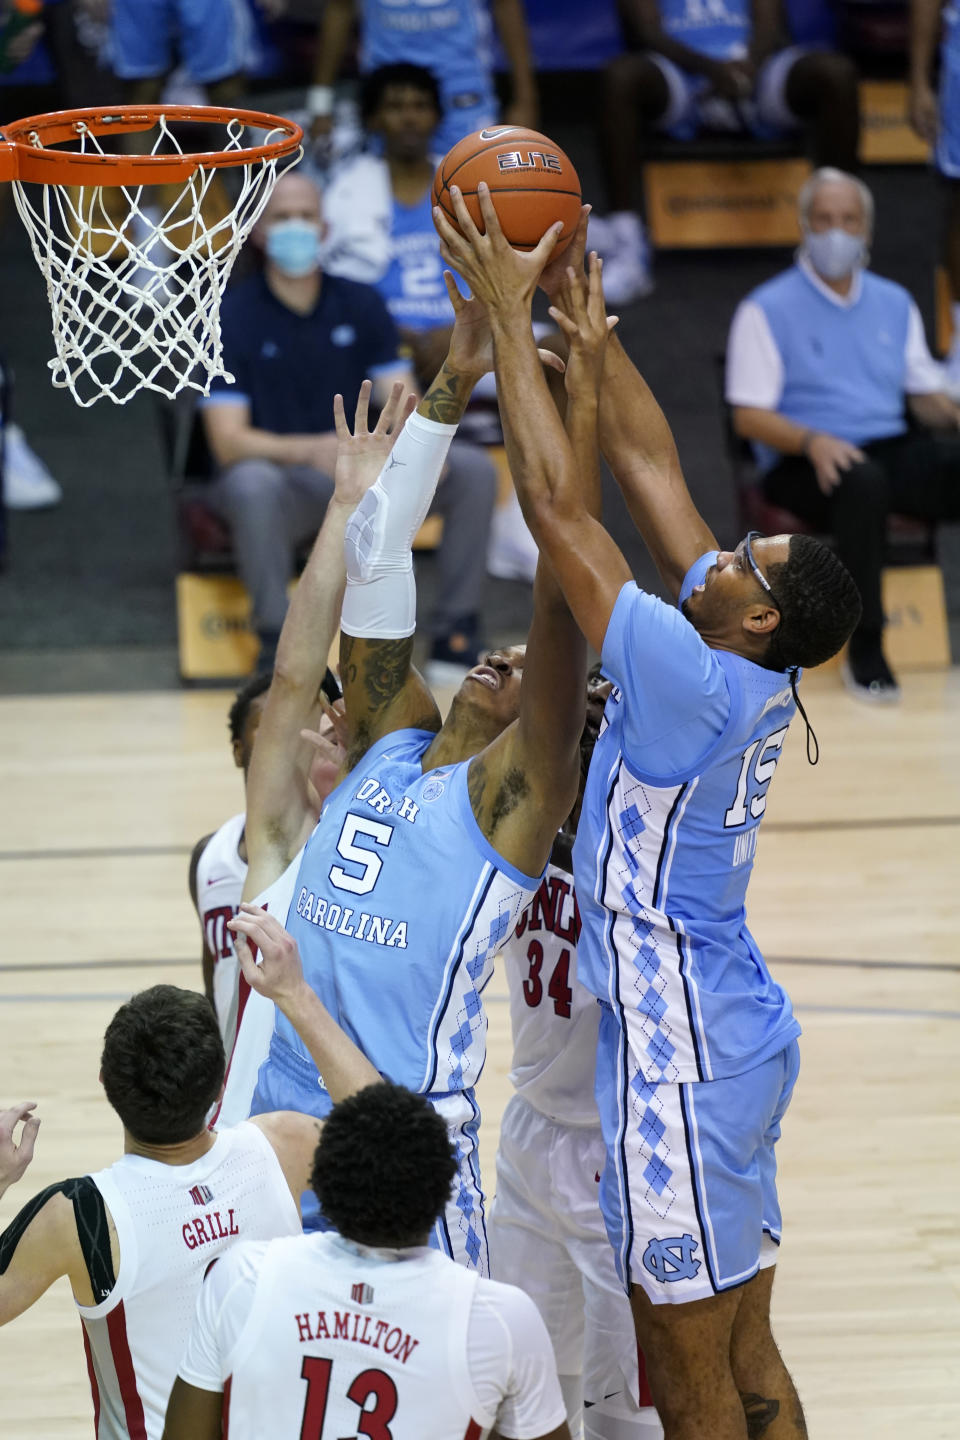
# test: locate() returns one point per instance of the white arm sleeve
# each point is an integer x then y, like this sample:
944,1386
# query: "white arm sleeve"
380,602
754,364
922,374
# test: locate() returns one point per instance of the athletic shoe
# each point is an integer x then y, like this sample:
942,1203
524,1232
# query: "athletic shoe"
27,483
512,552
867,675
626,267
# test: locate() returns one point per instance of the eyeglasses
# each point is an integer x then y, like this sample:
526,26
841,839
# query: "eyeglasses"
757,572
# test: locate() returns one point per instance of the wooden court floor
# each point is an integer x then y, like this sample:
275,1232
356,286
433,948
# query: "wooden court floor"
855,900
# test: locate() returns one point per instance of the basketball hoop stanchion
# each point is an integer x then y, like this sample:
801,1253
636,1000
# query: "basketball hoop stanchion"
136,250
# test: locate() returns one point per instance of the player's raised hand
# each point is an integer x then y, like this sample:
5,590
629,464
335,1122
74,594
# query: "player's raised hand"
471,344
14,1157
501,278
362,452
277,972
582,316
554,277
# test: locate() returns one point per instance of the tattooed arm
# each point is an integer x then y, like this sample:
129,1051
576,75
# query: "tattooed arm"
382,690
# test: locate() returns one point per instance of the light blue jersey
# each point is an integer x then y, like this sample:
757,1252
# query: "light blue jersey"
718,28
452,39
668,832
399,908
413,284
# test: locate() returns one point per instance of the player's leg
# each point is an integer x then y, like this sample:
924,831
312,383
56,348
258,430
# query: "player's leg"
527,1248
465,498
769,1397
684,1202
820,88
617,1403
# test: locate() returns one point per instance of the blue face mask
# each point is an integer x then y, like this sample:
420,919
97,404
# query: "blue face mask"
834,253
294,246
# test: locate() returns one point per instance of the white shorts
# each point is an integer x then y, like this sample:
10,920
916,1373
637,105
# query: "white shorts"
547,1236
765,114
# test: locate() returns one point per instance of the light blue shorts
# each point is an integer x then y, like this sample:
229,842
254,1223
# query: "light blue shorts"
150,37
689,1193
463,114
288,1082
693,107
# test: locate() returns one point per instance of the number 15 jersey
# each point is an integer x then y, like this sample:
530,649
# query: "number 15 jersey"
399,908
668,831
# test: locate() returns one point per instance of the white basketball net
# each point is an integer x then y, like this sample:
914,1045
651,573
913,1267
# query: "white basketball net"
135,274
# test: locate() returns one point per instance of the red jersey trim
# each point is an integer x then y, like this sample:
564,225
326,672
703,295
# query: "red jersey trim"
92,1376
126,1375
243,995
473,1431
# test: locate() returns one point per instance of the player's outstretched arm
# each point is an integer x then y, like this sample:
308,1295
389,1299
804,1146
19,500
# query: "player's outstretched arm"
279,977
588,564
638,445
510,20
382,690
40,1244
280,809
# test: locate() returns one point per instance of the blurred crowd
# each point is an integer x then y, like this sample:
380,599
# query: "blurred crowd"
350,285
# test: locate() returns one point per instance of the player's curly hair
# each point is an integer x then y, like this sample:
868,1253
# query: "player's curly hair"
256,686
163,1064
819,603
375,84
384,1166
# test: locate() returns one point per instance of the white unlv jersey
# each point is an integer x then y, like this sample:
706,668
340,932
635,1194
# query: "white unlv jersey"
255,1017
306,1335
171,1222
553,1017
220,877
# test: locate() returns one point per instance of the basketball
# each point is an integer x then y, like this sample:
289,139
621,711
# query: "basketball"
532,183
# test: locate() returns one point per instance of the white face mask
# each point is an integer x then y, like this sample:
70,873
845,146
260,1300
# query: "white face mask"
834,253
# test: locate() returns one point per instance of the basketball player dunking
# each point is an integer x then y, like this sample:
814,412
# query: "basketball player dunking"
697,1051
429,849
135,1239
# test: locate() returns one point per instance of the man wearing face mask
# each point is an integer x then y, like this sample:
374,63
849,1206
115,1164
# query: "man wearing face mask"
823,363
293,337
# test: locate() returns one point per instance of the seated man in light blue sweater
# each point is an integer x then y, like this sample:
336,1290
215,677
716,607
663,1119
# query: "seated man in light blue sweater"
823,363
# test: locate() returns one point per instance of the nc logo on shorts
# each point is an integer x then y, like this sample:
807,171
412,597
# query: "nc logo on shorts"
668,1260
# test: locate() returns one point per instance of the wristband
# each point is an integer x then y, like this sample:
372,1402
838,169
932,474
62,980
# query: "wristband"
320,100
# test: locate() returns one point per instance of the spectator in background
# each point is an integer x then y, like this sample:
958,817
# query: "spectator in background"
149,38
936,25
822,363
381,231
723,66
451,39
293,338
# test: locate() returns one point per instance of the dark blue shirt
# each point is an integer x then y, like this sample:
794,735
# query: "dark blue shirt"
288,367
